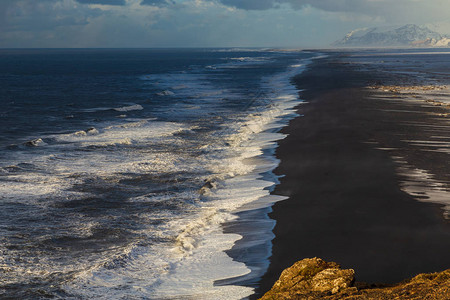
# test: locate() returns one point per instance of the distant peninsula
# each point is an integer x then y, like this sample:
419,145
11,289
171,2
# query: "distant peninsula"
395,36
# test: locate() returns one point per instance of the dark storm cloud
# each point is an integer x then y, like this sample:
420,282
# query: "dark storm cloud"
341,5
157,2
328,5
33,16
105,2
251,4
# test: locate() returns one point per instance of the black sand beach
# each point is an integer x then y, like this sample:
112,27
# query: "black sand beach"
340,163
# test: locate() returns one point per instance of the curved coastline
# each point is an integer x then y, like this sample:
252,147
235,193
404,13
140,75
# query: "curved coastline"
252,223
346,202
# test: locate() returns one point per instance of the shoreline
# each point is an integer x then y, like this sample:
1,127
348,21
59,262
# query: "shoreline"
346,202
253,224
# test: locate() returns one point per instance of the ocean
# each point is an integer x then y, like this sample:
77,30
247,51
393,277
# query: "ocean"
119,169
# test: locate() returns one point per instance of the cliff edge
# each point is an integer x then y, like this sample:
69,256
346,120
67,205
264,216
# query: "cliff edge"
314,278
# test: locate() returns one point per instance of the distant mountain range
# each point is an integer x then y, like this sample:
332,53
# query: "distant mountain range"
403,36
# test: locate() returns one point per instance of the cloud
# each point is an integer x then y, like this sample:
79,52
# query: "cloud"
46,23
103,2
252,4
363,6
327,5
398,11
33,16
200,23
157,2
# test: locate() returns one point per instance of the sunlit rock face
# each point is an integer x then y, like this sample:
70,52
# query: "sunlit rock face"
311,277
314,278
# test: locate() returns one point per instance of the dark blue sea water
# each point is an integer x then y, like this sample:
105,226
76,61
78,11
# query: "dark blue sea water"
118,167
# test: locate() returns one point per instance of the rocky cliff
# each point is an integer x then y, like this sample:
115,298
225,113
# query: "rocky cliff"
313,278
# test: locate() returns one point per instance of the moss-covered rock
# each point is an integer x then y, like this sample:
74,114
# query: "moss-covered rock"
311,275
313,278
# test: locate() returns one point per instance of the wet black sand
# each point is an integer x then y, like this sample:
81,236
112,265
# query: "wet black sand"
345,202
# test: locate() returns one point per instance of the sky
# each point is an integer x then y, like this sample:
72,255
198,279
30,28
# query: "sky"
203,23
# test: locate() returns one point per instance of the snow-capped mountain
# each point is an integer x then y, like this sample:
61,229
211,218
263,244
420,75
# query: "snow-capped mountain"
404,36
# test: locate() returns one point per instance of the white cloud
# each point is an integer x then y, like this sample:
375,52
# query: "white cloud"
198,23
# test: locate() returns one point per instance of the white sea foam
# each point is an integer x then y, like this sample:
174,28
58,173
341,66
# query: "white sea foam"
119,109
236,185
230,159
239,62
166,93
242,50
54,175
27,187
129,108
89,131
35,143
122,134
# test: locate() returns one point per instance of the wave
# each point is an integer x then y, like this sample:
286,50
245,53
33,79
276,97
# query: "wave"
239,62
127,133
35,143
119,109
89,131
129,108
146,199
242,50
249,59
166,93
234,160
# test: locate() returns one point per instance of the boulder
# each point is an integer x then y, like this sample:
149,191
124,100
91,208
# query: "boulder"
311,276
314,278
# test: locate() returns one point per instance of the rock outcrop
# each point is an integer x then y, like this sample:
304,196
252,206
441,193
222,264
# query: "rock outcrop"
313,278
